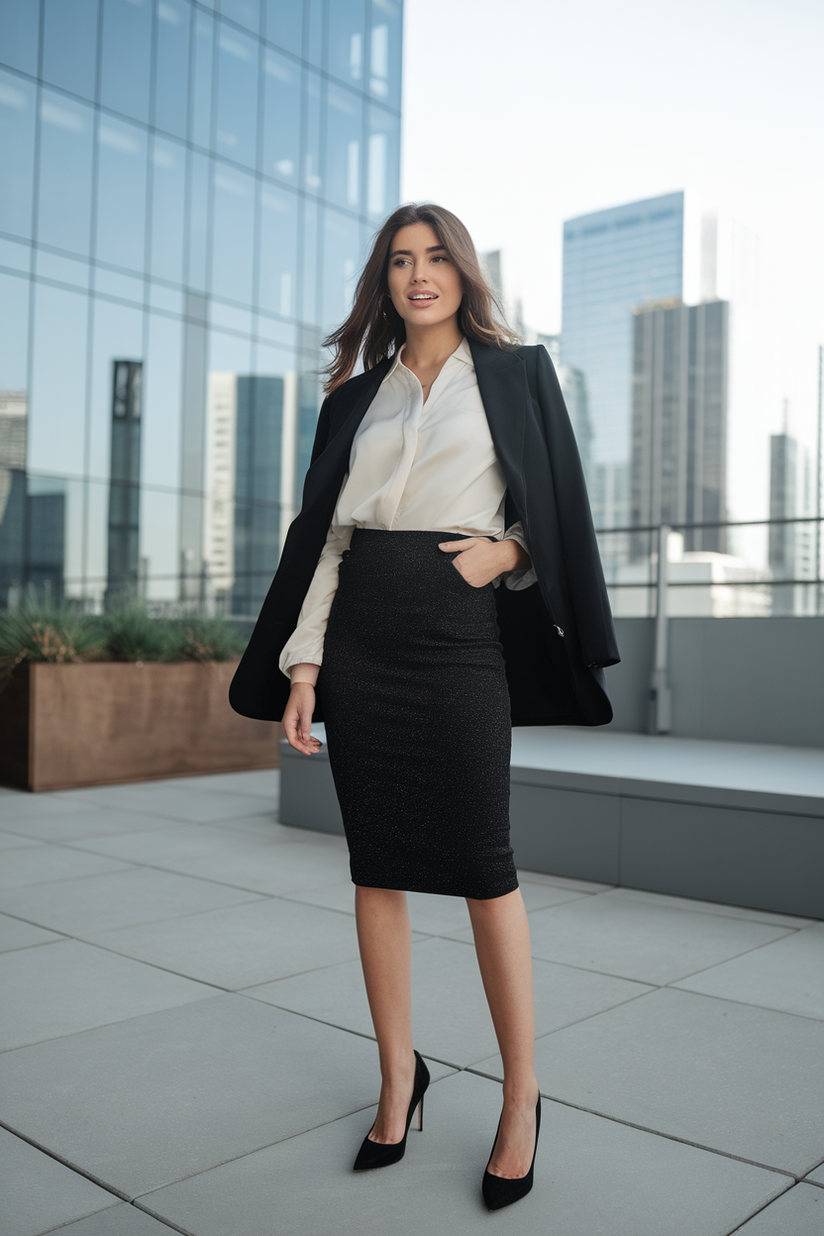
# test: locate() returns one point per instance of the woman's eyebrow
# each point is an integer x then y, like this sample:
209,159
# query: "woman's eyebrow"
408,252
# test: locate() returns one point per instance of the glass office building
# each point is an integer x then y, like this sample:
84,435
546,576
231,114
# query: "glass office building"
188,192
615,260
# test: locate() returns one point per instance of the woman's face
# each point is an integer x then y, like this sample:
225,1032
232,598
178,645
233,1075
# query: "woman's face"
424,285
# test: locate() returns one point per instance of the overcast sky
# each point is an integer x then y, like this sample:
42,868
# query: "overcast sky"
522,113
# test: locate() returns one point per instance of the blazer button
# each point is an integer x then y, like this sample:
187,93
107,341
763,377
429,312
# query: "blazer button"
560,630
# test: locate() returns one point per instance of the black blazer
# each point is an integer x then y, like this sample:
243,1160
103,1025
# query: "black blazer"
556,635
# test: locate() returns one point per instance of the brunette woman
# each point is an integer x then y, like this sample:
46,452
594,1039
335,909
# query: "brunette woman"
441,583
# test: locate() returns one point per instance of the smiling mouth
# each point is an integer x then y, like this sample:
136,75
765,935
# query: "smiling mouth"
423,296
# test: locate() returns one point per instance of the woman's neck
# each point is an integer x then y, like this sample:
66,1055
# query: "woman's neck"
429,347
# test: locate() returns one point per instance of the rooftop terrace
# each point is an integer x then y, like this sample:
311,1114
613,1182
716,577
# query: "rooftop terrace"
187,1047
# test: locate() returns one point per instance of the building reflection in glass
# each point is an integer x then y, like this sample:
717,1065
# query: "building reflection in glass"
189,197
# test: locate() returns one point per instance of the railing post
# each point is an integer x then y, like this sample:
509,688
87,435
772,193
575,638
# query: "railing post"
660,693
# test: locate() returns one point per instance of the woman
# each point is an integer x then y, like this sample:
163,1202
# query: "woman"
443,572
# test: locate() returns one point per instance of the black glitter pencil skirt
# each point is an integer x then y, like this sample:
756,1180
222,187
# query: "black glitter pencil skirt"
417,719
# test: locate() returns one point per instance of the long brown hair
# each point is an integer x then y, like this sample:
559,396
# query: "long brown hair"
375,326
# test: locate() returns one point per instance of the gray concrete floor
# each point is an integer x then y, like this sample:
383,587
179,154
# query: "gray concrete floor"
185,1043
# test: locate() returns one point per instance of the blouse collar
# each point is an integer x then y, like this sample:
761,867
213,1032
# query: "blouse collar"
461,353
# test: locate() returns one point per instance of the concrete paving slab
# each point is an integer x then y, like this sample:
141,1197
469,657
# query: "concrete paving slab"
578,886
789,921
635,940
265,824
16,934
68,987
291,867
20,805
240,946
264,782
340,896
39,1193
122,899
44,864
450,1016
122,1220
89,822
799,1212
14,841
593,1177
816,1177
173,798
175,1092
787,975
161,846
741,1080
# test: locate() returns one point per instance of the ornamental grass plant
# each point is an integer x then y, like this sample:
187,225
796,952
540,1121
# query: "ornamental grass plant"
60,635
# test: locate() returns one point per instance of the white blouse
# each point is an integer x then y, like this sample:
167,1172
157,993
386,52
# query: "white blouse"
413,466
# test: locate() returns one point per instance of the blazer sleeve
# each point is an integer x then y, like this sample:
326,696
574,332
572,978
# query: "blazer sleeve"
582,559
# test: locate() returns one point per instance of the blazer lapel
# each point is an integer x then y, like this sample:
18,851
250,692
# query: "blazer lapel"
325,477
504,389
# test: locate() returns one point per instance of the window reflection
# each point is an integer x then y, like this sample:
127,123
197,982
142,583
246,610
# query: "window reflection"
233,234
341,262
124,78
168,172
312,179
70,45
16,153
344,128
65,181
383,169
244,12
277,261
281,117
19,28
345,40
198,229
56,436
237,92
200,123
171,83
385,51
284,24
121,193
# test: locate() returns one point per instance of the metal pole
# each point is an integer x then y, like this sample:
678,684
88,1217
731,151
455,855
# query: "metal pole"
660,694
818,464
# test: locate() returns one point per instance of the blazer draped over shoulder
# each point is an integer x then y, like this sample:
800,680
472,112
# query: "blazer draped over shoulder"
558,634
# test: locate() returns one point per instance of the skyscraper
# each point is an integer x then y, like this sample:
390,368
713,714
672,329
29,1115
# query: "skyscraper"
191,186
679,420
615,260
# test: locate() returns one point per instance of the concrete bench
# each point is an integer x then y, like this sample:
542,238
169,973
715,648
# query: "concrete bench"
739,823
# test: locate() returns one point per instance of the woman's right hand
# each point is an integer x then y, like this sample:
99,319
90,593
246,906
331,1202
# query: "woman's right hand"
297,719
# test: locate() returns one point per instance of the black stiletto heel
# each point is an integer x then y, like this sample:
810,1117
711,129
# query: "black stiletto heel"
498,1191
377,1154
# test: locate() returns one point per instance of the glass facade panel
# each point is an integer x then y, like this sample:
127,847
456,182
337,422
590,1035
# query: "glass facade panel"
281,117
171,69
385,51
233,234
342,260
244,12
19,27
284,25
200,118
17,101
57,407
278,251
198,224
167,236
237,96
383,161
121,193
127,44
176,281
70,45
65,181
346,37
344,140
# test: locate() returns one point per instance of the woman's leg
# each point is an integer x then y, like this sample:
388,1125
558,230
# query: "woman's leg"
501,934
385,941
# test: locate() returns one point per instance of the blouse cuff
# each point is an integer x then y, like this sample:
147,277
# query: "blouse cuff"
313,657
517,581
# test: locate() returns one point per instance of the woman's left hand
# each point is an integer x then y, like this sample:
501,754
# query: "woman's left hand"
481,560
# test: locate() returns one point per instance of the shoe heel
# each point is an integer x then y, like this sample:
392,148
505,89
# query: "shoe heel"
420,1115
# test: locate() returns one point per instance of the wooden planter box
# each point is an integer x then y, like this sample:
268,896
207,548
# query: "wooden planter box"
102,723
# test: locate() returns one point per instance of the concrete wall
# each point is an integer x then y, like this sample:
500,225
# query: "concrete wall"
739,679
